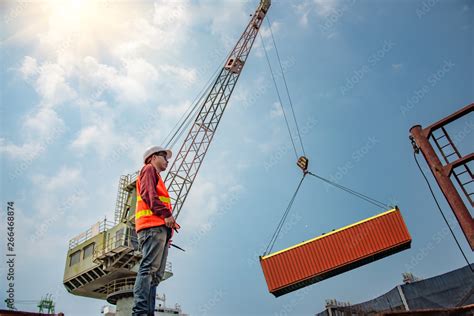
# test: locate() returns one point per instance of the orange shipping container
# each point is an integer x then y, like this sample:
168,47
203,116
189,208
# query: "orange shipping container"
336,252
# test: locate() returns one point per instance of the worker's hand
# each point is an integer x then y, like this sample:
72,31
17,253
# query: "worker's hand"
170,221
176,226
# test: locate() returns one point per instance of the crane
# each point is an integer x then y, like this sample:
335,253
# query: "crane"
102,262
189,158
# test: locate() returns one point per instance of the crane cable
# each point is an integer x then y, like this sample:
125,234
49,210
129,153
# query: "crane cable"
290,204
416,149
355,193
286,86
283,219
278,94
350,191
192,109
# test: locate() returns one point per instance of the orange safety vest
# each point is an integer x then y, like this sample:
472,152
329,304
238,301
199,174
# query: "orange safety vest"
144,217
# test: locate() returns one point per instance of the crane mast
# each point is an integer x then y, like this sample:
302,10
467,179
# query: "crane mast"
189,158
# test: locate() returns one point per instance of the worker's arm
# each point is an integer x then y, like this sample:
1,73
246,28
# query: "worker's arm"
148,182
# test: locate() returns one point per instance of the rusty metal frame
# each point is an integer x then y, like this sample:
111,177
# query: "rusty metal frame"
442,173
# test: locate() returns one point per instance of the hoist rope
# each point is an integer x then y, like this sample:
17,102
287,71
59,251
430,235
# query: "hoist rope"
290,204
184,126
192,107
355,193
171,140
191,111
442,214
282,220
286,86
278,94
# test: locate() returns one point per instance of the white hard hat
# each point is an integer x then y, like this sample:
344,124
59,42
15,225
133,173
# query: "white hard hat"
155,149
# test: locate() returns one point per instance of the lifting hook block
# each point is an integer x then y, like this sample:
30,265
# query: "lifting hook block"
303,163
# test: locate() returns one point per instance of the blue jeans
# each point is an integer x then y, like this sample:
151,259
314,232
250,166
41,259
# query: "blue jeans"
153,243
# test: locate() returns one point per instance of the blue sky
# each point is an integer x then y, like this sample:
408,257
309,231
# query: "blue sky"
78,79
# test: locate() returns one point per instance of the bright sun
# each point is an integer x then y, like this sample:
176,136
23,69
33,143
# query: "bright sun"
85,24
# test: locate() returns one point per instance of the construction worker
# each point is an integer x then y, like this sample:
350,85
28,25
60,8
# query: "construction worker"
154,223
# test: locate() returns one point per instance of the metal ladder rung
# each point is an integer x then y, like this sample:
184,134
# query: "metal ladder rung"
467,182
448,144
440,137
454,153
458,174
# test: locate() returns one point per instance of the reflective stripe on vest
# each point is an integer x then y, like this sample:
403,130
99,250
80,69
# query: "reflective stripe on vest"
144,217
142,213
163,199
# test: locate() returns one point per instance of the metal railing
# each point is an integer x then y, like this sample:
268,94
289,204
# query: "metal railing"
123,194
169,267
122,284
125,239
94,230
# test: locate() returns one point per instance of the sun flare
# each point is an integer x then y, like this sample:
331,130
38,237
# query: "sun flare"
85,26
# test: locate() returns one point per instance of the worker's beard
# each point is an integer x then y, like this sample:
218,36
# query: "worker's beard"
164,166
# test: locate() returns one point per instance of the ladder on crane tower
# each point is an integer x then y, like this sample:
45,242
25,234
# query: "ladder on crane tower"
462,173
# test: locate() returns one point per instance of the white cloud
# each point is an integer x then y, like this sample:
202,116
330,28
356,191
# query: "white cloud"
211,195
397,67
162,33
276,110
51,85
304,18
169,14
266,36
227,19
137,83
123,69
173,112
40,128
202,197
303,9
265,31
131,82
103,139
53,191
86,136
92,73
322,8
19,151
29,67
63,180
188,75
43,123
101,135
